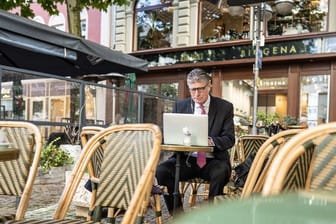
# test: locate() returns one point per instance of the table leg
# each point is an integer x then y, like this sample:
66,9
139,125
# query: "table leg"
177,180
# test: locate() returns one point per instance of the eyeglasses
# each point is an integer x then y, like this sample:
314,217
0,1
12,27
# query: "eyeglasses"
199,89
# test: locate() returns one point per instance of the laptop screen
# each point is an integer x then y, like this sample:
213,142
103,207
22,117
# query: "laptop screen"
175,124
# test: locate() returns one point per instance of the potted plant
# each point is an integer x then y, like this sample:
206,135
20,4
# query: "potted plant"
54,156
270,122
73,147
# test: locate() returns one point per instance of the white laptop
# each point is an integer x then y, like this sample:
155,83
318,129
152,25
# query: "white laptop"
174,123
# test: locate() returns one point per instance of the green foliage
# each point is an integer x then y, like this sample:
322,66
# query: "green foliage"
51,6
289,120
267,119
54,156
169,90
102,5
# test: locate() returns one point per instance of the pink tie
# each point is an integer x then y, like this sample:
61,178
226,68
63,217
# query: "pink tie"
201,156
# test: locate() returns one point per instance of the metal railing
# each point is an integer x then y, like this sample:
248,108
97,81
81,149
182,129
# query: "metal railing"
55,103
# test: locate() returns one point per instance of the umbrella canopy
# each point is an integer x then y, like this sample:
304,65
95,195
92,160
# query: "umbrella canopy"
27,44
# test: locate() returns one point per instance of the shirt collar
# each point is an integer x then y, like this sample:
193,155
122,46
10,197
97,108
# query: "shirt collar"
205,104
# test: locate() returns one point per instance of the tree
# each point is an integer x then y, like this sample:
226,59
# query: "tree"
74,7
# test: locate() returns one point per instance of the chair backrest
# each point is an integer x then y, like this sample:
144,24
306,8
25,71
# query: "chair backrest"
264,157
307,161
131,155
17,176
248,144
86,133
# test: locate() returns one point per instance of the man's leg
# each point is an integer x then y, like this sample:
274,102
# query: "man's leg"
165,175
218,173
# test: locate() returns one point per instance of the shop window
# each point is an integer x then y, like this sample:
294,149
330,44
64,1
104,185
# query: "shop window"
57,21
164,89
83,23
149,88
270,99
219,24
38,109
314,99
169,89
306,16
154,20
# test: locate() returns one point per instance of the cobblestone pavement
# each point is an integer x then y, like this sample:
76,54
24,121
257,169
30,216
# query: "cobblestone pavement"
46,192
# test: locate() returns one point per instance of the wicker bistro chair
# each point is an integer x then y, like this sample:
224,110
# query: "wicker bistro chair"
246,145
17,176
95,165
130,156
306,162
259,168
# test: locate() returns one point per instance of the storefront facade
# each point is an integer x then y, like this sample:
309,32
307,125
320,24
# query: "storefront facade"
298,66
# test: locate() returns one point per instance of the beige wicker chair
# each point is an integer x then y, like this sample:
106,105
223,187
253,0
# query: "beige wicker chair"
260,165
95,165
27,138
306,162
130,156
246,145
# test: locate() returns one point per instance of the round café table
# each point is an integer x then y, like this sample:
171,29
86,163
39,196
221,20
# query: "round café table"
289,208
178,149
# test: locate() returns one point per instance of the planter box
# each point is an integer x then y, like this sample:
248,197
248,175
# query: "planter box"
82,197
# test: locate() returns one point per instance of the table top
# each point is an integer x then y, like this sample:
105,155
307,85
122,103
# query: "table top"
184,148
9,154
290,208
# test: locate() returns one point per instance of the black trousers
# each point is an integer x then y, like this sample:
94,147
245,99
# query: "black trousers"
217,172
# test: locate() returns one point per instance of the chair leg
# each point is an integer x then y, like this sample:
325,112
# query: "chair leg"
195,192
157,208
206,191
183,189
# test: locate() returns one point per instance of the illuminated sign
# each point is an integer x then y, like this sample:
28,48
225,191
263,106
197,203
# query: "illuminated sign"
283,48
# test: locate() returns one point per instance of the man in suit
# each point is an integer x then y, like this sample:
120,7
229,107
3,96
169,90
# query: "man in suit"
217,167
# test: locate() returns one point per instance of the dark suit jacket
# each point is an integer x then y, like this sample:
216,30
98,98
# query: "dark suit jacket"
221,126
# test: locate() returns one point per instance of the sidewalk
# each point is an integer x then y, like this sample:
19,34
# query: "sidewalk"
46,192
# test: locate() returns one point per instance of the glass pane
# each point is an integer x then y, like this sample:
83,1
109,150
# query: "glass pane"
306,16
169,89
149,88
240,93
314,99
272,105
154,20
219,24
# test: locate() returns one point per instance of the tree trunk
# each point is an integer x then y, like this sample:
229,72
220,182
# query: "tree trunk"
74,22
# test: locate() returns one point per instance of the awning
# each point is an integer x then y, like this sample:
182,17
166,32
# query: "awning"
27,44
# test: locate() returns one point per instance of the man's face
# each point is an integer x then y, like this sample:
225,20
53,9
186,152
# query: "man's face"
199,91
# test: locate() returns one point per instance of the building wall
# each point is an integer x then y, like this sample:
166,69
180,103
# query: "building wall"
93,20
185,34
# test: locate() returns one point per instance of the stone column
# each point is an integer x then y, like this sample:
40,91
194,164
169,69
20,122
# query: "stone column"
332,16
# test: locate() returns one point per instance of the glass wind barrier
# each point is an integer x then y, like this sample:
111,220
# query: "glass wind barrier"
59,104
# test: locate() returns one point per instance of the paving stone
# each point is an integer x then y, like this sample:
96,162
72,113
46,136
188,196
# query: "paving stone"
46,192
